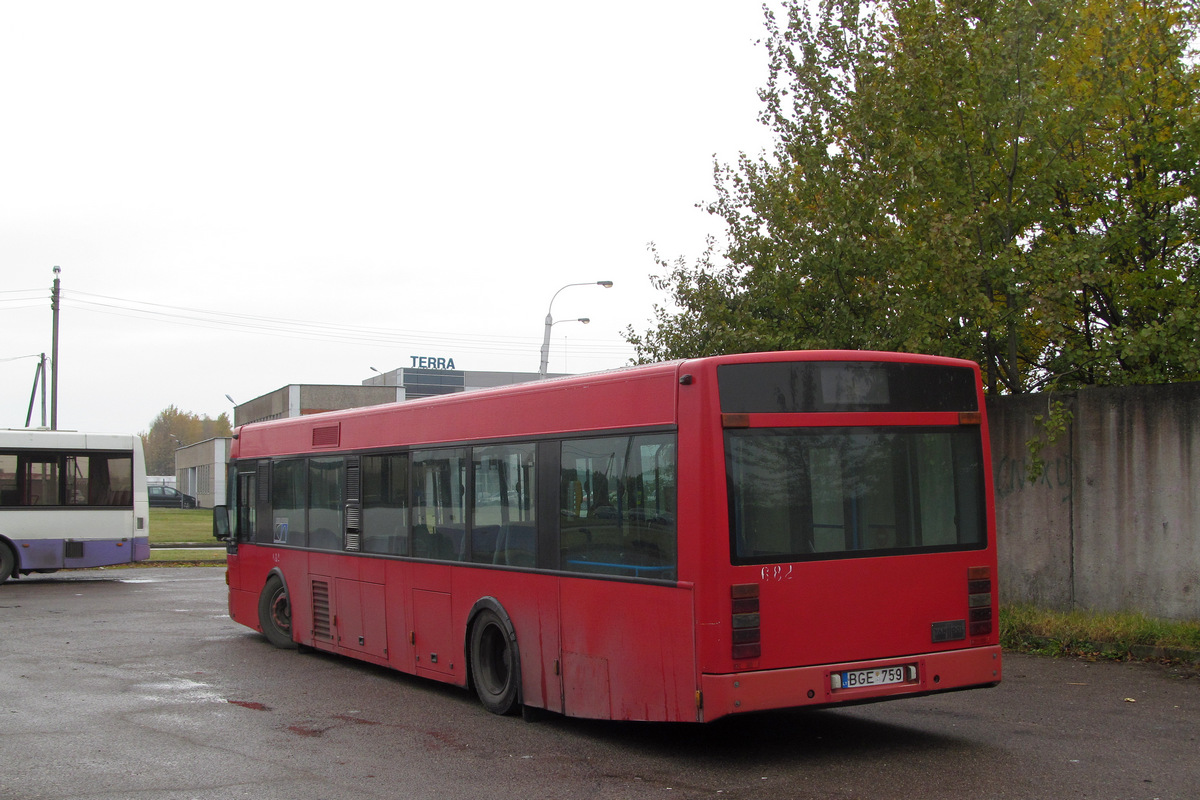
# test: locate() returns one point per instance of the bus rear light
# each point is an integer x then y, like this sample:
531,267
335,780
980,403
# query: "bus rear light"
745,635
744,618
980,621
745,652
979,600
745,605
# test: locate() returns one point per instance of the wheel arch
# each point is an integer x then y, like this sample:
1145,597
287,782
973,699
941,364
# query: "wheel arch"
495,606
16,556
276,572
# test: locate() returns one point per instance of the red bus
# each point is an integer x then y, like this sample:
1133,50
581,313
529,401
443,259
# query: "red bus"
680,541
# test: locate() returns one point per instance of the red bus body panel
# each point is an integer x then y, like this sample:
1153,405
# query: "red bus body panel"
612,648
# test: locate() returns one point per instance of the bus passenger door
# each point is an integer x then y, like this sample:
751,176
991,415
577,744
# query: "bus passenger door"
246,496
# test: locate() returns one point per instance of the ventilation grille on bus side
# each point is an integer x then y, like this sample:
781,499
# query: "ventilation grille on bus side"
322,619
353,507
263,481
329,436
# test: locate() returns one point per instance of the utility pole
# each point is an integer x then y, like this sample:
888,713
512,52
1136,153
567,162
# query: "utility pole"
54,355
42,372
39,374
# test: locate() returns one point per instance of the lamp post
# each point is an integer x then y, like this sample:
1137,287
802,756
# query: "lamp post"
584,320
550,322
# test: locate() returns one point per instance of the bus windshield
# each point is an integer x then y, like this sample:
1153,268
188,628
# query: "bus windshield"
810,493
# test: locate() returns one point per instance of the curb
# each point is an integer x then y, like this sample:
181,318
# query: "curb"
1135,652
184,545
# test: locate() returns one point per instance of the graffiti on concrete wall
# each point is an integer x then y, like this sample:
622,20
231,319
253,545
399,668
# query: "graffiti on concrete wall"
1011,476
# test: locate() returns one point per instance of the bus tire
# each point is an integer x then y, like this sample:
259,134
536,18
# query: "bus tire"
8,562
275,614
495,664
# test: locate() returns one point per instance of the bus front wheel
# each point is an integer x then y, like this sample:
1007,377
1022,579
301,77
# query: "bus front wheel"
275,614
495,668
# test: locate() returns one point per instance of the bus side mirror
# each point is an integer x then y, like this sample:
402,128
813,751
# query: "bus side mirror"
221,523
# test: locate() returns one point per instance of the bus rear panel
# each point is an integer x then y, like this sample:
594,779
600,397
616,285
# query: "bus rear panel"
861,563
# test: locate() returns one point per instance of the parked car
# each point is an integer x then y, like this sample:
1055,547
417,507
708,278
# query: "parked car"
169,497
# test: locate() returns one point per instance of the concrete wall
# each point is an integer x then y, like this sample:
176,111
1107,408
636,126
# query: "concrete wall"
314,399
297,399
1113,524
200,470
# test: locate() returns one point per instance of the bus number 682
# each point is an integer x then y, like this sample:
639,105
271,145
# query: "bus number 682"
777,572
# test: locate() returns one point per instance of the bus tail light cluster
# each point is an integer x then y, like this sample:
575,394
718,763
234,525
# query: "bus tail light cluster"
979,600
747,638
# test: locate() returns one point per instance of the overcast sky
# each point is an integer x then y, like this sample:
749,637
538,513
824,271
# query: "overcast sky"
243,195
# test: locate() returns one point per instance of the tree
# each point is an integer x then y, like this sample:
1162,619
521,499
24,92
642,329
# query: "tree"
173,429
1000,180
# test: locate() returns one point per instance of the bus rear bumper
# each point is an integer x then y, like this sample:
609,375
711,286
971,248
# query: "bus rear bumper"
742,692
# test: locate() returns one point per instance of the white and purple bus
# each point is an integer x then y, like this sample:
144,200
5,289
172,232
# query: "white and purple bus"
71,500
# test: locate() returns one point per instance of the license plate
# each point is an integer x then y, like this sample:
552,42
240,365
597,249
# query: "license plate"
861,678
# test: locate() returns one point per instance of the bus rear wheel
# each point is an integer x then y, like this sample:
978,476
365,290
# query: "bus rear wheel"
275,614
495,668
8,562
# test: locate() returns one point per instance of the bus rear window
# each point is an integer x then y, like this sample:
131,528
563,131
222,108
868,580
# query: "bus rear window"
829,386
805,494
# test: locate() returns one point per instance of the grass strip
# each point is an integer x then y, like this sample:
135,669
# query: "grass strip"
181,525
160,557
1115,636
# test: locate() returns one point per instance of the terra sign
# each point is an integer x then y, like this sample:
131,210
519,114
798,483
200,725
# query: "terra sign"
432,362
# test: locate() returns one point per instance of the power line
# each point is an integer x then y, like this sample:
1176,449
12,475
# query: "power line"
322,330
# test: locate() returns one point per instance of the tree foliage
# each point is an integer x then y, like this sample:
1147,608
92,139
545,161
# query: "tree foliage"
173,429
1010,182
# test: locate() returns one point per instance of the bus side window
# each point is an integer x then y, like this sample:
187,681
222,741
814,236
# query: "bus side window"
289,504
9,496
439,504
41,481
503,522
326,493
617,506
385,504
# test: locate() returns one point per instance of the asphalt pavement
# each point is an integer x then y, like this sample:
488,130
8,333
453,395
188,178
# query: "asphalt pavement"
134,684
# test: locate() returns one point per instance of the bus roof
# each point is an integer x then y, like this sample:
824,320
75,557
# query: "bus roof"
44,438
629,397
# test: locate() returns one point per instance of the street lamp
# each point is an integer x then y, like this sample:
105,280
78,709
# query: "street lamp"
550,322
